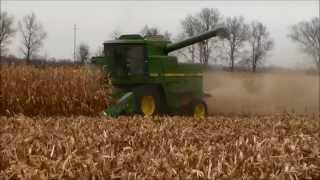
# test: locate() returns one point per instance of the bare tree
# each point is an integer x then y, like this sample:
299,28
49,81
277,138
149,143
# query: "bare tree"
187,54
150,31
33,35
307,34
238,34
188,25
244,62
83,53
260,43
154,31
6,31
207,19
167,35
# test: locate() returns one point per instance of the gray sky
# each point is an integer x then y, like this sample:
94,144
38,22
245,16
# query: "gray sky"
96,21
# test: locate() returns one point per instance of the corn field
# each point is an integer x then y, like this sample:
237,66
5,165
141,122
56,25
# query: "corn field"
46,91
51,129
265,147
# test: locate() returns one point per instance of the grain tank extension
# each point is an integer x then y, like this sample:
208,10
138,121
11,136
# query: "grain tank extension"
148,81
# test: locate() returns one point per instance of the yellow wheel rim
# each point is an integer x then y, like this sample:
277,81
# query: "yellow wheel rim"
199,111
148,105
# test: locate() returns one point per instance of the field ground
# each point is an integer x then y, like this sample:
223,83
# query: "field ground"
271,147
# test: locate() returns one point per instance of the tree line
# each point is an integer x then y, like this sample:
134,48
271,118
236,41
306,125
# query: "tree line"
249,42
33,35
248,45
31,30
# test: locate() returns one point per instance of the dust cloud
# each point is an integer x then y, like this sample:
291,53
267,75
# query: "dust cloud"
261,93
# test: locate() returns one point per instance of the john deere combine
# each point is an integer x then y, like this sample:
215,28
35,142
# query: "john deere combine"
148,81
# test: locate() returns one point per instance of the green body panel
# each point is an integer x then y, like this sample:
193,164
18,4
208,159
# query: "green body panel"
99,60
179,83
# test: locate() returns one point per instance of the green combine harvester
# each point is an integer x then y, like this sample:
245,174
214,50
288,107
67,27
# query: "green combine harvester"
146,80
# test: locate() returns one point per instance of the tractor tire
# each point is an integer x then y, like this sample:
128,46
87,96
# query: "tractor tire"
198,109
148,101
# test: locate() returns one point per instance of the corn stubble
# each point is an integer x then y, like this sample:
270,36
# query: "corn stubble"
46,91
270,147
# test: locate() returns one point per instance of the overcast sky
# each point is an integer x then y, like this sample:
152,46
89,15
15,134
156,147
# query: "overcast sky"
97,20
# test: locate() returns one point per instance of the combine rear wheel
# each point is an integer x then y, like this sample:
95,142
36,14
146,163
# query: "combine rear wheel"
198,109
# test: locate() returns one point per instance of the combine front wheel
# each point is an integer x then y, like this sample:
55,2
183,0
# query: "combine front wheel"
148,105
148,101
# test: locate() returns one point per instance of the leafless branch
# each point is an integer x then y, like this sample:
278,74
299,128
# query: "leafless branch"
6,31
307,34
33,35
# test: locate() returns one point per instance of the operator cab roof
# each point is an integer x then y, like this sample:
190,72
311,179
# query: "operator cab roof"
127,39
135,39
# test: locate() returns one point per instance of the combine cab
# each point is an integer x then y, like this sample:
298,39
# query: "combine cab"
148,81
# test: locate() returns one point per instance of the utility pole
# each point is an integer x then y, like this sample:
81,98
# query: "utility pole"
75,43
